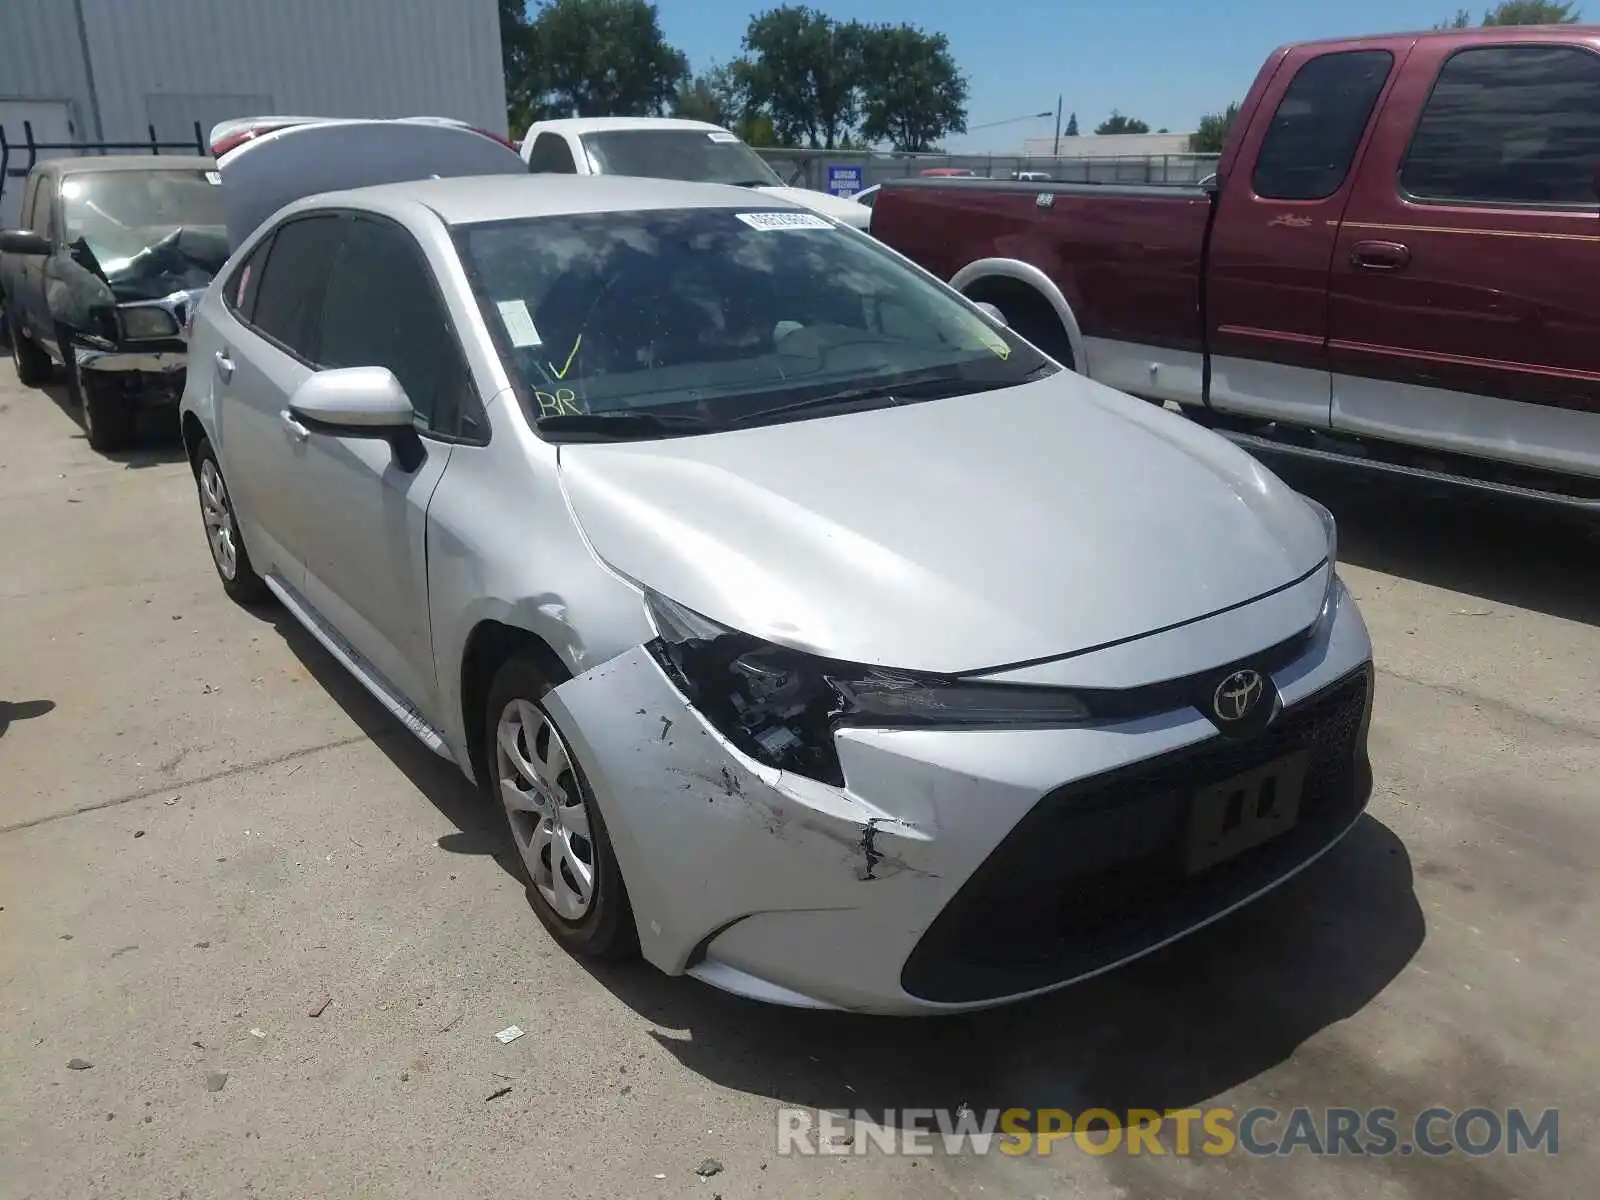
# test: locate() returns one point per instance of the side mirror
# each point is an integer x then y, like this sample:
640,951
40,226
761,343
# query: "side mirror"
24,241
361,402
993,313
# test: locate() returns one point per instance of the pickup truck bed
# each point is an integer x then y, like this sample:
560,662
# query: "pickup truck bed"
1395,265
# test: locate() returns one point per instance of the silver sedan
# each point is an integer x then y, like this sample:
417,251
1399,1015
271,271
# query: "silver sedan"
819,637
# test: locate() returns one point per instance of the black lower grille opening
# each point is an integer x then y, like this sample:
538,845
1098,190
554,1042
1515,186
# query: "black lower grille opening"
1097,871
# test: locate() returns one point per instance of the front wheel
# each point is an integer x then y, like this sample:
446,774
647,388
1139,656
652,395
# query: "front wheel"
555,823
107,419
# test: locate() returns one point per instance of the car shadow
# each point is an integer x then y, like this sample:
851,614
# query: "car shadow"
1499,549
22,710
1169,1031
1179,1026
155,439
480,829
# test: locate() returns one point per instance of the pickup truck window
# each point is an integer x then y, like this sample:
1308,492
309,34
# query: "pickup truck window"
1308,148
41,219
1509,125
551,154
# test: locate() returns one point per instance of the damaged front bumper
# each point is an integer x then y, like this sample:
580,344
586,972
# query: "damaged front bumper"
940,877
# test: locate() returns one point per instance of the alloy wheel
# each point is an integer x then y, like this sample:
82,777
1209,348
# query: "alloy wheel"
218,518
545,808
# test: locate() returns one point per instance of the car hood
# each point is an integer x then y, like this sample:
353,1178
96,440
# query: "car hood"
848,212
949,535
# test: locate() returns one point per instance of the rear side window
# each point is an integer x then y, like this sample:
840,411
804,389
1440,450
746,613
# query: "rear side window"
290,278
1509,125
1309,146
245,284
380,310
551,153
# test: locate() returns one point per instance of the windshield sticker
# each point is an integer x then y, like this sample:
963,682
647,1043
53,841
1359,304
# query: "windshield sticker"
563,402
722,136
519,325
784,220
214,178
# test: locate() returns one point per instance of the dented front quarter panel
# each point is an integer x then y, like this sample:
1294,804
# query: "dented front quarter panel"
706,835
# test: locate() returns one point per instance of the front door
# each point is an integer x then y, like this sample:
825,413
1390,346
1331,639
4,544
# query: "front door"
1276,223
1464,308
366,554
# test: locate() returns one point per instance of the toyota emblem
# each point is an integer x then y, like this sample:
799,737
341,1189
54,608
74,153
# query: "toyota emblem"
1237,695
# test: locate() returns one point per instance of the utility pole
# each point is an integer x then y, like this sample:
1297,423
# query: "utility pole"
1057,153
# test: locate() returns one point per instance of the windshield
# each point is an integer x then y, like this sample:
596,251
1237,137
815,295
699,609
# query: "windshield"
722,314
695,155
119,213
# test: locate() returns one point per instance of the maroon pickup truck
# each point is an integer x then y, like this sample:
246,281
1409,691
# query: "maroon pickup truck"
1397,262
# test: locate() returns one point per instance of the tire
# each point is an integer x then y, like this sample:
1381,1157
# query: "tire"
562,833
107,420
33,364
228,555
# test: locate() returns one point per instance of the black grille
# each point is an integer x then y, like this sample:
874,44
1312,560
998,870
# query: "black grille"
1095,872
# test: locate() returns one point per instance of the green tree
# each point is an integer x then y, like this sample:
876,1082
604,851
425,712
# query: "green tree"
1117,123
714,95
1072,126
1212,134
1519,12
803,70
911,93
605,58
517,61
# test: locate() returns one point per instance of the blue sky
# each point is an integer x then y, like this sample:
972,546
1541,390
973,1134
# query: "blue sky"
1155,59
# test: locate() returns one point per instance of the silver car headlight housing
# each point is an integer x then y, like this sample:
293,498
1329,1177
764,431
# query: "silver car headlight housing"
780,706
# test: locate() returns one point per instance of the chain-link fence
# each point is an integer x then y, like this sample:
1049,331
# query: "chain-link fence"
812,168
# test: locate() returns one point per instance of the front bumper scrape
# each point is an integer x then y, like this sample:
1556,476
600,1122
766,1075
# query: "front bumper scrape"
706,836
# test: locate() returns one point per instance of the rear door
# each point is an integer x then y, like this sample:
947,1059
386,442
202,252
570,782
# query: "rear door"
1465,312
253,354
1277,221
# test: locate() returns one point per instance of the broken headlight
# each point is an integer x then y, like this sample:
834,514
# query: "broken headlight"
780,706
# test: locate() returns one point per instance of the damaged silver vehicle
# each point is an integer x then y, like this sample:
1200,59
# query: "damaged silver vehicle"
114,254
819,637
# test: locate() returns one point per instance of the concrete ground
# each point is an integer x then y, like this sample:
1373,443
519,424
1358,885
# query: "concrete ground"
205,827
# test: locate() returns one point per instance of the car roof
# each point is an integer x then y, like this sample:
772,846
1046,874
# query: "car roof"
126,162
472,199
619,124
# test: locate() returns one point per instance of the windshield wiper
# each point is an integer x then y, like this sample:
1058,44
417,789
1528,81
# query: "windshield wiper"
926,388
626,423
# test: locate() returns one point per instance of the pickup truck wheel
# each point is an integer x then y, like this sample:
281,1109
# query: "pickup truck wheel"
228,555
562,844
107,420
32,363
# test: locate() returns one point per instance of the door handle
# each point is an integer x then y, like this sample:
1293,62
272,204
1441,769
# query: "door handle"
224,365
1379,256
292,428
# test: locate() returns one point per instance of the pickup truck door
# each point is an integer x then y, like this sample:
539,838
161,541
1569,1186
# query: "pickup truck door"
1277,219
25,285
1464,311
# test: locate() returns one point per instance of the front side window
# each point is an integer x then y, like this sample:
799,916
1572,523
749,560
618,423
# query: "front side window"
723,314
116,214
695,155
1308,148
379,310
1509,125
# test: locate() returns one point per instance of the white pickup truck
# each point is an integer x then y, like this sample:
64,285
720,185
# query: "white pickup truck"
669,148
